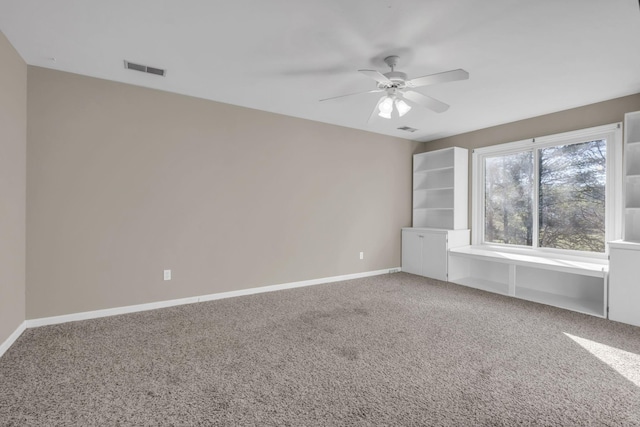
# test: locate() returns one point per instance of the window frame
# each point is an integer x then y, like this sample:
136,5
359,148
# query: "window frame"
613,188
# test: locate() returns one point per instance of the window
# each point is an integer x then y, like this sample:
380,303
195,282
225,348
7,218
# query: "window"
508,203
556,193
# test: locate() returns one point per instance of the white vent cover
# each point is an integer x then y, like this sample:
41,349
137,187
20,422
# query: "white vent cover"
144,68
407,129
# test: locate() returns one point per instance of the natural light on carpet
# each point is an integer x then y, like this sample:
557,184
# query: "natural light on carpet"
625,363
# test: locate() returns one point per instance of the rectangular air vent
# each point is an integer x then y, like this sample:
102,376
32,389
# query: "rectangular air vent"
144,68
407,129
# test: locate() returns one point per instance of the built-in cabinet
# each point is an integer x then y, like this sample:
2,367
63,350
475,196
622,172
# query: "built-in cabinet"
624,284
440,181
573,283
624,255
632,177
439,211
424,250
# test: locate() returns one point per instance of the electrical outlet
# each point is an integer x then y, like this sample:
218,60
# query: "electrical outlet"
167,274
361,255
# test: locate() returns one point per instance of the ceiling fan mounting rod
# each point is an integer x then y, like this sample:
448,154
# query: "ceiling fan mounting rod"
391,61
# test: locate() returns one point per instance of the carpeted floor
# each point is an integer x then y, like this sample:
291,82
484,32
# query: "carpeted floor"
387,350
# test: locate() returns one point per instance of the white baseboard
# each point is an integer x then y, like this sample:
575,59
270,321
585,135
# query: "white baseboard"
12,338
85,315
292,285
43,321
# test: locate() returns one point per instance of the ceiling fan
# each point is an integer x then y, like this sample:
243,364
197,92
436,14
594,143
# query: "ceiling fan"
398,90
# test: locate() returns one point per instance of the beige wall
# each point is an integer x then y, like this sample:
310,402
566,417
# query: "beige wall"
13,143
124,182
602,113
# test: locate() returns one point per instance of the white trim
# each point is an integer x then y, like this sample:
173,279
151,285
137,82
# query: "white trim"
12,338
549,140
625,244
43,321
477,198
73,317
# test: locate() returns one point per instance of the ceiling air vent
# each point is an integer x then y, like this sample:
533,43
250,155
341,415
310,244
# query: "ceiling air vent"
144,68
407,129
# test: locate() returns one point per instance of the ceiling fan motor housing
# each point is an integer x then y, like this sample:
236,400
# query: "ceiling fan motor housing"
397,78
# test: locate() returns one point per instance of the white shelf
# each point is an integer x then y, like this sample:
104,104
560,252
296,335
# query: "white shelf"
632,177
433,181
594,308
633,170
575,265
433,170
433,199
443,188
435,160
573,283
484,285
632,127
440,189
433,218
632,225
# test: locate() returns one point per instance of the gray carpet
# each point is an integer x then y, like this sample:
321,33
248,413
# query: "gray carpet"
387,350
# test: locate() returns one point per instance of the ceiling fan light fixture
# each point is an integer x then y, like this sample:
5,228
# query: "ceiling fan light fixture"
386,107
403,107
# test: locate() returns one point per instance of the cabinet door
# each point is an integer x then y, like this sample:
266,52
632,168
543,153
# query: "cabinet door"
624,286
434,255
411,252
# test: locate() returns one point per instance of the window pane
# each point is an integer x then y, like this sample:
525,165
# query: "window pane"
508,216
572,196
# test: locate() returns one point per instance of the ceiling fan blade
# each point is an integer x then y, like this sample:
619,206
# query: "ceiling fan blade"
425,101
355,93
377,76
432,79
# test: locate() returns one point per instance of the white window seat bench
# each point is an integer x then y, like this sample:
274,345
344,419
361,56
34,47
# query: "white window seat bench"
570,282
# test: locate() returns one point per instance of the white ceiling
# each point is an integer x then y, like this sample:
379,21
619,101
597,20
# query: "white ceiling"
526,58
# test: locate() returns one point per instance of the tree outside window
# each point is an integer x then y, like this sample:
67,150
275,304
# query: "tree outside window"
570,208
572,195
508,199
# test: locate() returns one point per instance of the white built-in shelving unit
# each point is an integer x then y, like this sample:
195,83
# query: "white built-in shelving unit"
624,255
439,211
440,189
573,283
632,177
